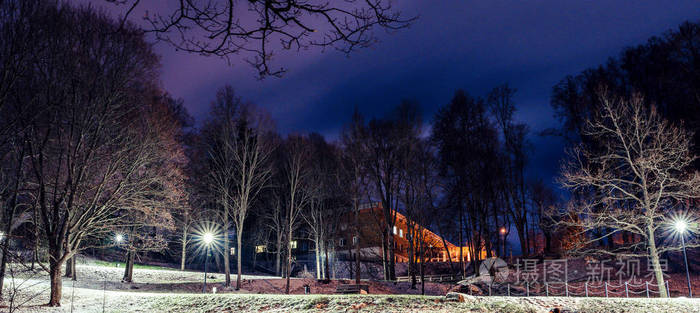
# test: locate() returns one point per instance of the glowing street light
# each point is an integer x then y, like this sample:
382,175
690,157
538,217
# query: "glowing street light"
681,226
118,238
503,239
207,239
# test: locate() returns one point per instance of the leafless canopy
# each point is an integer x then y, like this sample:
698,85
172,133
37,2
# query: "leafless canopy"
227,27
634,180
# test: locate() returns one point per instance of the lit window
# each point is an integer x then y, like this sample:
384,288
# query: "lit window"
293,244
233,251
260,249
395,231
341,242
401,233
354,240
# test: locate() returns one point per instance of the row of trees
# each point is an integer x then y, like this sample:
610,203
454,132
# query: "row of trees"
91,147
89,143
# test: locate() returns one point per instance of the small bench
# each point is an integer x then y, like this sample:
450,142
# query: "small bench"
347,288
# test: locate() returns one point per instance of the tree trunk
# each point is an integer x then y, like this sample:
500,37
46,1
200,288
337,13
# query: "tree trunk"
422,262
658,273
227,250
70,268
37,242
321,248
392,260
350,268
461,242
239,255
9,219
317,253
227,257
411,255
278,255
521,236
385,266
327,265
56,283
5,253
73,266
183,252
129,267
358,277
444,244
289,258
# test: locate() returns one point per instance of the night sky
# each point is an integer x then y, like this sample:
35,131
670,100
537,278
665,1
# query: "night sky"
472,45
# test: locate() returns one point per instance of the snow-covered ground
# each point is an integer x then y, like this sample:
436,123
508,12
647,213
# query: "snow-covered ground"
99,289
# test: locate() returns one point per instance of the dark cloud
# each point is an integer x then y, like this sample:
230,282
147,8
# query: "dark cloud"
473,45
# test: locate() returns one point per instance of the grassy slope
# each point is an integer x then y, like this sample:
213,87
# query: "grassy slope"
405,303
328,303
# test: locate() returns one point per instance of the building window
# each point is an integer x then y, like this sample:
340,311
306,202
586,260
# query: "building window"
233,251
330,243
401,233
395,231
354,240
341,242
293,244
343,226
260,249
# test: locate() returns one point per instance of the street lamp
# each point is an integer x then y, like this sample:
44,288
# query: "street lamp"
503,240
207,239
119,239
681,226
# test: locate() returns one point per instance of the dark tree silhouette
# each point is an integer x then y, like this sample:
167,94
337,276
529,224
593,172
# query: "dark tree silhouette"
255,28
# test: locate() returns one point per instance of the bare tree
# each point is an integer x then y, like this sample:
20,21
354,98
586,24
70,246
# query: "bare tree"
274,219
639,179
185,220
354,176
542,198
225,27
297,184
326,196
87,139
417,193
385,142
315,217
252,149
221,136
147,221
471,165
502,107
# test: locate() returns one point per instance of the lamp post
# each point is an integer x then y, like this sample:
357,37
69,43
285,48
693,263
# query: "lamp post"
503,240
207,238
681,227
